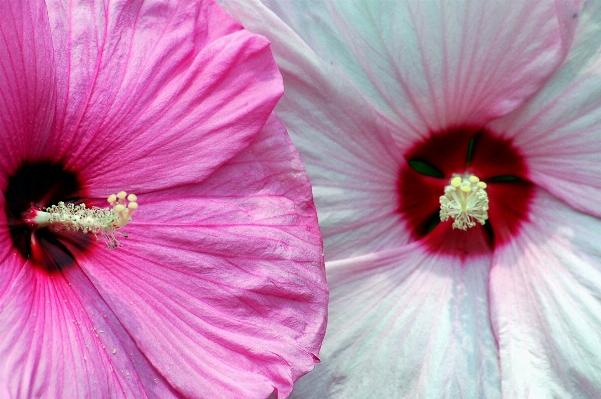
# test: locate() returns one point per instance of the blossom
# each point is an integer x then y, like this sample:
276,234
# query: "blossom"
215,285
394,105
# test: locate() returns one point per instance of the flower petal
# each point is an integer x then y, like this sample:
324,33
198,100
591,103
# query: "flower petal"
156,93
60,340
353,164
406,324
545,304
424,65
27,81
224,291
328,107
559,130
349,151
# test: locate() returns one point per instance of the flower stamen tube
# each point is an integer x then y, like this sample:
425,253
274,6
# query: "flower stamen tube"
102,222
466,201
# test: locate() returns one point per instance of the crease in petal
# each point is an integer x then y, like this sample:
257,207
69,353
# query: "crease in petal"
27,79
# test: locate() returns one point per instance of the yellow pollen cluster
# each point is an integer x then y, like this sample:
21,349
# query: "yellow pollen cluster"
466,201
102,222
123,208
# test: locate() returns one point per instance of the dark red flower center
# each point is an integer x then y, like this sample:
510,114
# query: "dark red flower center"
431,165
37,185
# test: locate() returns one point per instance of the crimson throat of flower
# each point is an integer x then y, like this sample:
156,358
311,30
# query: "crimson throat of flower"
48,219
464,191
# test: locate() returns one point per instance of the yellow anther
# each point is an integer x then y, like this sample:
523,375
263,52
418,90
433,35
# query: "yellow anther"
119,208
112,198
132,198
121,195
465,200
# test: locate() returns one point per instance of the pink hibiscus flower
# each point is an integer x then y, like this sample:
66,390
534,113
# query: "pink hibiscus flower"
455,154
219,289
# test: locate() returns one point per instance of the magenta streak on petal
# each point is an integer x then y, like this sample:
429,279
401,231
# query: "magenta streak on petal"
447,151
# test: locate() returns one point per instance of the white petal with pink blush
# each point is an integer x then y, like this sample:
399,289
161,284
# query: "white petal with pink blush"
559,129
546,312
425,64
406,324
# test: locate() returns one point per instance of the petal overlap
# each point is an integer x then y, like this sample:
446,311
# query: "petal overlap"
364,176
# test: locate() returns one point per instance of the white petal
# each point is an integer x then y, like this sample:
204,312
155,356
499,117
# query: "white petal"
405,324
424,64
559,130
545,290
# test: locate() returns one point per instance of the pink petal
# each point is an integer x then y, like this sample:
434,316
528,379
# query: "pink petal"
559,130
27,81
155,93
424,65
545,300
60,340
10,268
222,284
406,324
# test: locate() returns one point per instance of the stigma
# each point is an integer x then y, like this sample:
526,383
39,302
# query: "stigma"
102,222
466,201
